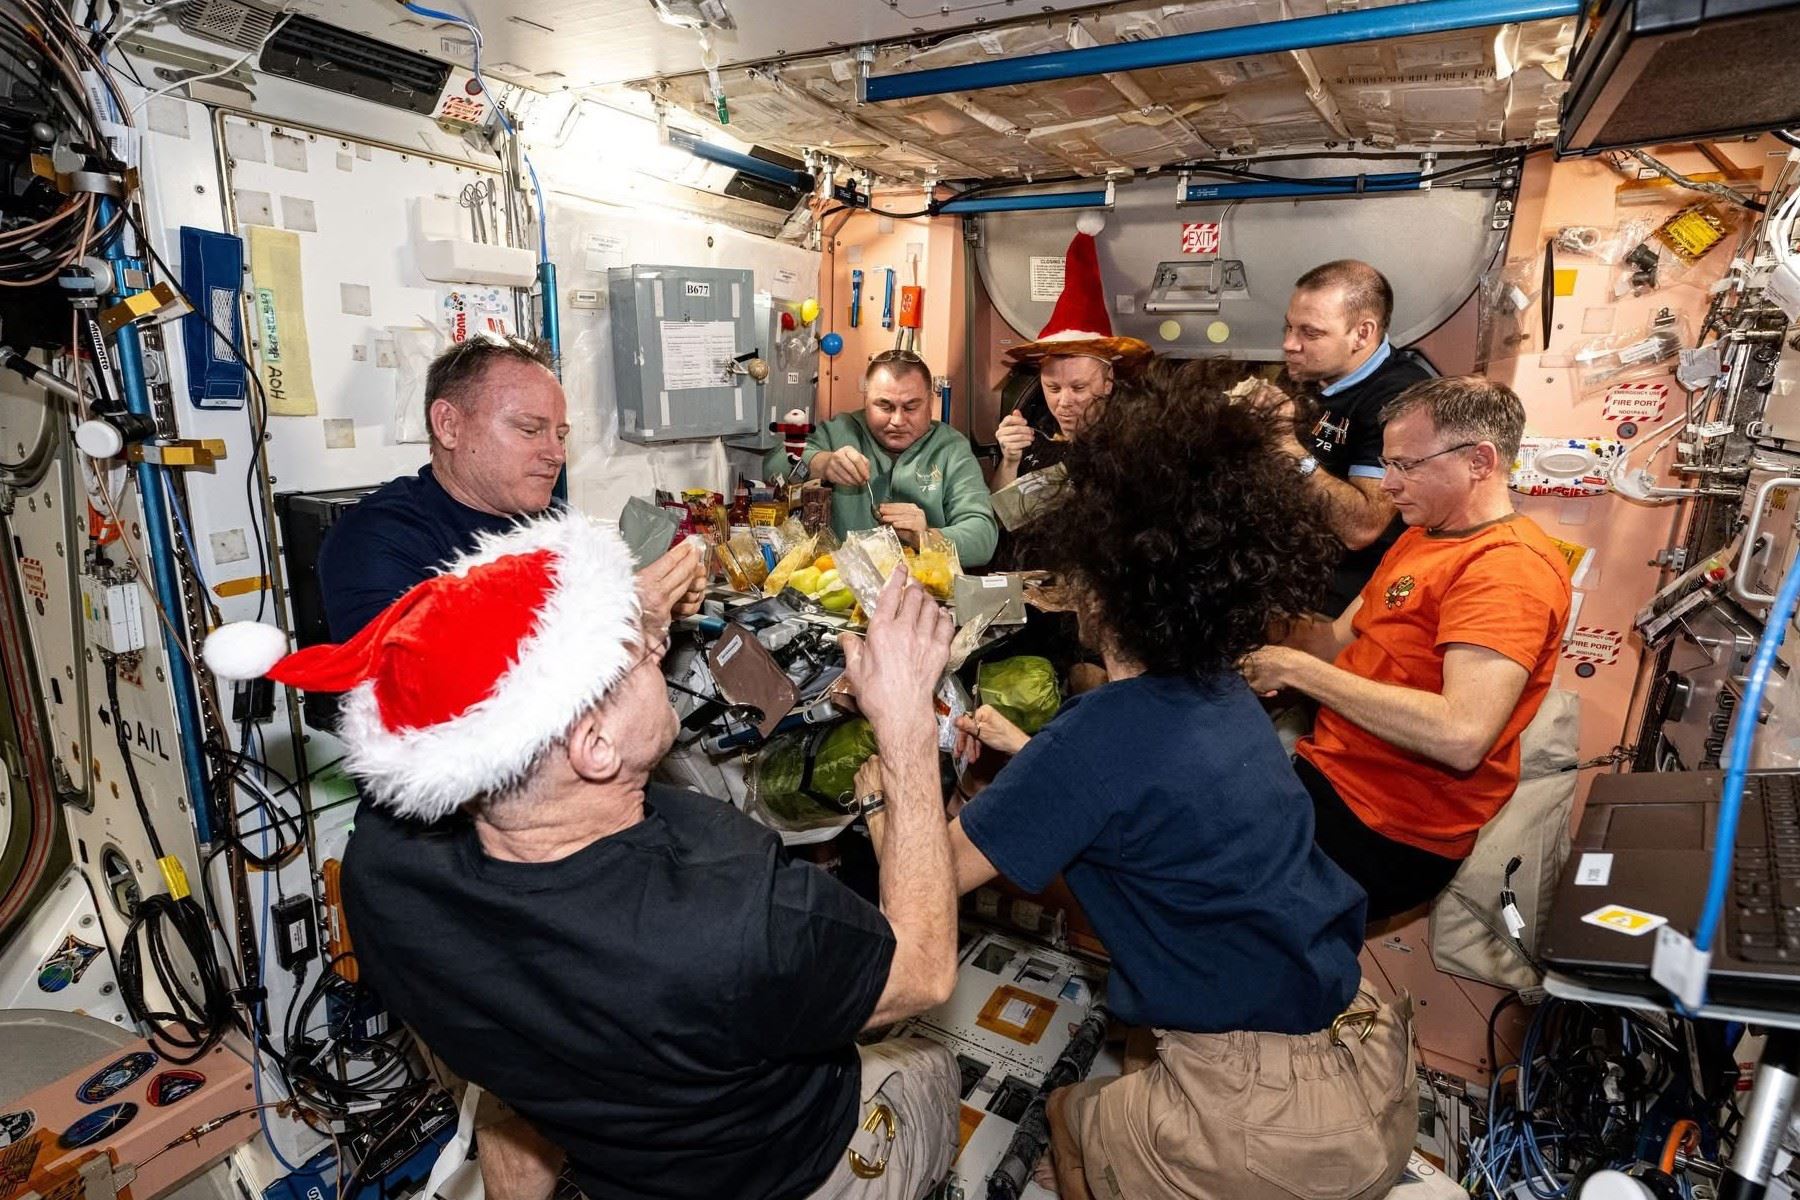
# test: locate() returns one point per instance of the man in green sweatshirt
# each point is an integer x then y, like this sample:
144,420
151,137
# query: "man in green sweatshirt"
891,464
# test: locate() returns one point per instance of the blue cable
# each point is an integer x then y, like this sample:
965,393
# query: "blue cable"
1743,733
536,187
181,524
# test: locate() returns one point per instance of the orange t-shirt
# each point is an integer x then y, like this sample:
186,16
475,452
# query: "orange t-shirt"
1505,587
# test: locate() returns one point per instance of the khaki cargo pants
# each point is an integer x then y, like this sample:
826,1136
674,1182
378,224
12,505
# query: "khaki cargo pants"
1258,1116
907,1132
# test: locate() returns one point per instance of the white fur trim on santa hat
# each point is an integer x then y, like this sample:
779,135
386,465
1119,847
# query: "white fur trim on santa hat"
244,649
582,645
1090,223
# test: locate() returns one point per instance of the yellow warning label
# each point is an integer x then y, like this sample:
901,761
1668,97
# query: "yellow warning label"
1624,920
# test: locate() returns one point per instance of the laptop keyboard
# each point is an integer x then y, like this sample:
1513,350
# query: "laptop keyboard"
1767,883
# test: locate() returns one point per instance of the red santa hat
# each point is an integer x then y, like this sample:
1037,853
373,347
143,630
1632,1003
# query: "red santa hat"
458,686
1079,324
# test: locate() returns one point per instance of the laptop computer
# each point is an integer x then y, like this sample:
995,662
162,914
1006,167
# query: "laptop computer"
1641,857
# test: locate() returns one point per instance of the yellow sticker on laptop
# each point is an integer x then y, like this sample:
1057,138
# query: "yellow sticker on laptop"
1620,919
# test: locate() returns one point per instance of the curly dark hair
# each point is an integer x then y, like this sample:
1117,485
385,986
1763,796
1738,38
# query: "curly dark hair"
1184,525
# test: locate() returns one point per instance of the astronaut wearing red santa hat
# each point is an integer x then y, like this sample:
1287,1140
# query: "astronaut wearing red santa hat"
1077,357
640,971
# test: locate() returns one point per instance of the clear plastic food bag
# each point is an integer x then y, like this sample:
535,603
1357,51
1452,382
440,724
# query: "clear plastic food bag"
866,559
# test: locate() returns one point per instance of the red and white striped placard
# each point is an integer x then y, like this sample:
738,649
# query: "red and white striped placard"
1200,237
1592,644
1636,401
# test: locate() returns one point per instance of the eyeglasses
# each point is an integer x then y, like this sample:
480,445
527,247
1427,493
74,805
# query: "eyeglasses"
1401,466
651,653
905,356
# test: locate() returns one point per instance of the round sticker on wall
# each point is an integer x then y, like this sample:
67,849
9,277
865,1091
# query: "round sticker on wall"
99,1124
15,1125
115,1077
171,1086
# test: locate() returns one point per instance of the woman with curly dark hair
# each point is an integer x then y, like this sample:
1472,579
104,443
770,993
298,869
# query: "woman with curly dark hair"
1166,801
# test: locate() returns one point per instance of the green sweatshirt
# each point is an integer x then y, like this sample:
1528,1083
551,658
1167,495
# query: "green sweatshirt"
938,473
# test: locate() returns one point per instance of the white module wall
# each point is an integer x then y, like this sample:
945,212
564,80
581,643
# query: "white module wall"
348,202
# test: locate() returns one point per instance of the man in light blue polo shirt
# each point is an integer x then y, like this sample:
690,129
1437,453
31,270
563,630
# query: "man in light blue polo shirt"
1336,342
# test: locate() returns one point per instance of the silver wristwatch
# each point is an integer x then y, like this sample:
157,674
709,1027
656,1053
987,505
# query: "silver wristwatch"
867,806
1307,466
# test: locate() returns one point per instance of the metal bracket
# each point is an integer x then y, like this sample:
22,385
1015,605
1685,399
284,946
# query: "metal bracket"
865,60
161,303
1740,580
184,63
185,452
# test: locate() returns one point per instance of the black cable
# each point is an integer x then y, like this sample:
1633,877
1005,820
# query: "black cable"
1783,135
194,1023
1209,169
1493,1057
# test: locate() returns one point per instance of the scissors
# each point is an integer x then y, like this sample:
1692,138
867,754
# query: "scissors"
473,197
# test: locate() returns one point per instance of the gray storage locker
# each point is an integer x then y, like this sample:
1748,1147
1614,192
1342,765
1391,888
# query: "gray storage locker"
675,331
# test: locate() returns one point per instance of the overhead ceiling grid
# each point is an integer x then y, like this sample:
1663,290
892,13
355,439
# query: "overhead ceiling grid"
1484,87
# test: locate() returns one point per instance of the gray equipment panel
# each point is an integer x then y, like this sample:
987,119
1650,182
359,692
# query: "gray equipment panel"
675,332
1433,245
793,375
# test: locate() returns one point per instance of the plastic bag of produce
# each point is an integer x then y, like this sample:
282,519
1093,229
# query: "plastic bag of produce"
1021,689
807,778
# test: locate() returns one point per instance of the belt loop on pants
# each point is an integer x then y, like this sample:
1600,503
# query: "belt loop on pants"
1274,1060
883,1116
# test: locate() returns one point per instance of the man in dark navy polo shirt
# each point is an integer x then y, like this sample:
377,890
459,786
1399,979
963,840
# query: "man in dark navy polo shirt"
498,421
1336,345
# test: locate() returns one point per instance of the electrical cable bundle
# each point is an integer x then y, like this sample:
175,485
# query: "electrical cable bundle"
1595,1089
44,56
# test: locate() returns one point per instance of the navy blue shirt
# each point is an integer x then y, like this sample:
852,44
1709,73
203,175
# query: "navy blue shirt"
1179,824
395,538
675,1004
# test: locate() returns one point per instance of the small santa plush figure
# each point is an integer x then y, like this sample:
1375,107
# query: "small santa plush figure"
794,427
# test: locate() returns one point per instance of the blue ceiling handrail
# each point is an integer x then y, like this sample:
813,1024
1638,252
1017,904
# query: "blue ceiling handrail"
1271,37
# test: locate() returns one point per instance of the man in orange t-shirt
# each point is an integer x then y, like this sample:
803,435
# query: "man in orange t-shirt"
1429,677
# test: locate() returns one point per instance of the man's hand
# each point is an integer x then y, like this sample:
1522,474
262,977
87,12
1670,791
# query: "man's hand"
907,520
673,585
1286,414
1272,668
986,726
845,467
895,671
1015,435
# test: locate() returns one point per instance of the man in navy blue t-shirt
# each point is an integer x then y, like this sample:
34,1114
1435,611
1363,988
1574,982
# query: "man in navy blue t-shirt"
1165,799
